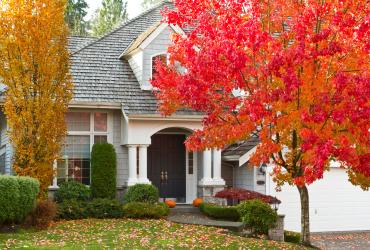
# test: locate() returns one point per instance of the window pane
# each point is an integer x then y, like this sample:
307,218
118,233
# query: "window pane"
191,163
100,139
100,122
162,58
78,121
75,164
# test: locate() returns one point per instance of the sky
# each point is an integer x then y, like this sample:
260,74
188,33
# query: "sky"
133,6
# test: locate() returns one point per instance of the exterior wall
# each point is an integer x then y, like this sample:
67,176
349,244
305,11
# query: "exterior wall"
136,63
244,177
227,173
121,151
6,149
158,46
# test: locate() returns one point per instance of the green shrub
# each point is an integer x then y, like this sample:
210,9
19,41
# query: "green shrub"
72,210
292,237
103,171
141,210
142,193
42,215
17,197
104,208
220,212
72,190
257,215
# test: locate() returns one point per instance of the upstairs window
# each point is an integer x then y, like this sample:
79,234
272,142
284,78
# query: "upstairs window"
162,58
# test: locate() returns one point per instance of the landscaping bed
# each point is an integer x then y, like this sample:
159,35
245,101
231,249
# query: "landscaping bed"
129,234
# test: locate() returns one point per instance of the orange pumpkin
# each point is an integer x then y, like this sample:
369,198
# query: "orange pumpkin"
170,203
197,202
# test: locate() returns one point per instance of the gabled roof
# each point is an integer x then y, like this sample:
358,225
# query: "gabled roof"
236,151
99,75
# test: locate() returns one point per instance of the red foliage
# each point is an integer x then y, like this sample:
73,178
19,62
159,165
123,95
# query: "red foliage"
244,194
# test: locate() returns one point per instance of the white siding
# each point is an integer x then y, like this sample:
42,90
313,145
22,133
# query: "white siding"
136,63
5,146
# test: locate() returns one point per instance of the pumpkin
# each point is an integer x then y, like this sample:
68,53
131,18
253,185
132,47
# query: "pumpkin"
197,202
170,203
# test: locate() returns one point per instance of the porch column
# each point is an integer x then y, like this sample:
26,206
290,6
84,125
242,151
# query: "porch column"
143,166
132,165
207,168
217,179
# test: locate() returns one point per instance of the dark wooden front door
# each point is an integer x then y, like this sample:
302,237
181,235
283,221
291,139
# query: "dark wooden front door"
166,165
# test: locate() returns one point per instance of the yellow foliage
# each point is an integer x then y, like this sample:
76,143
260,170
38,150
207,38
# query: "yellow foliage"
34,65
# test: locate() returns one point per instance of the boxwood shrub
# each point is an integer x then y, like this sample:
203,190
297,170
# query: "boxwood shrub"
141,210
146,193
97,208
229,213
72,190
17,197
292,237
257,215
103,171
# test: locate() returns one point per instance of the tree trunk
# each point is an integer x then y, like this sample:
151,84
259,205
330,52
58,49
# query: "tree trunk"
305,216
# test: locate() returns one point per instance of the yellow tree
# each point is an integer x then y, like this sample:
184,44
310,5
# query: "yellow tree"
34,65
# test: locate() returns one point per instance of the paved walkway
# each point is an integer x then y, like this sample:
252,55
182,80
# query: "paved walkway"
200,219
342,240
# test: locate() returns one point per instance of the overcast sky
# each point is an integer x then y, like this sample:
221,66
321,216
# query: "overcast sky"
134,7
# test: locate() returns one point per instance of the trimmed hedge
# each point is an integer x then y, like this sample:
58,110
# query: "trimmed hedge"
146,193
103,171
220,212
18,197
97,208
72,190
257,215
141,210
293,237
104,208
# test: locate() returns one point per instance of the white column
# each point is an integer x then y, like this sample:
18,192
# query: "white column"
143,166
217,179
132,165
207,168
55,177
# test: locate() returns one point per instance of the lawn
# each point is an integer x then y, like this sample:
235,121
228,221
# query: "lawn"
132,234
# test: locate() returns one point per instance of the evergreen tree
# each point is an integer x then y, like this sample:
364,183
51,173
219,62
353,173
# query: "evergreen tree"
74,16
109,16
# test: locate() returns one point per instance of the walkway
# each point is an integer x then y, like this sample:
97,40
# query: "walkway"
342,240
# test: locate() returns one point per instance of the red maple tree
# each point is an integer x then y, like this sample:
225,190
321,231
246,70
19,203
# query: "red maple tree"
294,72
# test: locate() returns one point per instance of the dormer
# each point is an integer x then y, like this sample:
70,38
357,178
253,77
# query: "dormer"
149,46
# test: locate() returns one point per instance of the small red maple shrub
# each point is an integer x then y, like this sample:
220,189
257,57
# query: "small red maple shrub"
241,194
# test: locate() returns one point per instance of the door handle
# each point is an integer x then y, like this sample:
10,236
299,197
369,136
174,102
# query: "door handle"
162,177
166,177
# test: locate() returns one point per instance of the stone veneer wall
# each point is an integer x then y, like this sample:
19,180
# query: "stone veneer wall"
277,233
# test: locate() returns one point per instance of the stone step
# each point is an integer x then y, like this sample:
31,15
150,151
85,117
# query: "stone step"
179,209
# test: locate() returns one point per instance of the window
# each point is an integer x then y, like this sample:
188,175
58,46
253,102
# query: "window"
2,164
84,130
191,162
162,58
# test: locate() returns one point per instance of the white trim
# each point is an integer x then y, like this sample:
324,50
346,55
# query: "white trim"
158,117
158,31
245,158
151,66
191,179
94,105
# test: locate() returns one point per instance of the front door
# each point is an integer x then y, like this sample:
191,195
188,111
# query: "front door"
166,165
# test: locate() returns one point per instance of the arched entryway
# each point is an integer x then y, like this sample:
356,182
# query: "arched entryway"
168,164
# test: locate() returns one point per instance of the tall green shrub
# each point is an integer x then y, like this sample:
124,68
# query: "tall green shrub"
103,171
17,197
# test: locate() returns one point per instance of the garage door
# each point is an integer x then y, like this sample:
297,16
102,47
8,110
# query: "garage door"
335,204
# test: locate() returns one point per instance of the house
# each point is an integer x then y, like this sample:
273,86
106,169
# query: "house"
113,102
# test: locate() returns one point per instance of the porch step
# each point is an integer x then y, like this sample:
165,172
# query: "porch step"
188,209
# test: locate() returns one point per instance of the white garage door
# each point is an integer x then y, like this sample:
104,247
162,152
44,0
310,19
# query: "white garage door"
335,204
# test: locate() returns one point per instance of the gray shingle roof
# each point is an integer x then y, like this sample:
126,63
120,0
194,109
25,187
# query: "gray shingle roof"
76,43
100,76
240,148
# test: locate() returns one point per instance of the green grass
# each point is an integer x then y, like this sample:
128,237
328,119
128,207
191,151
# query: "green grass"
132,234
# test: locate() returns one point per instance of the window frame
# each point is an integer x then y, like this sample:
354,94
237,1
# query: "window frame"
92,133
151,61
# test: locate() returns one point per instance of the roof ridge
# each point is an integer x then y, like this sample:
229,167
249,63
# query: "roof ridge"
123,25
